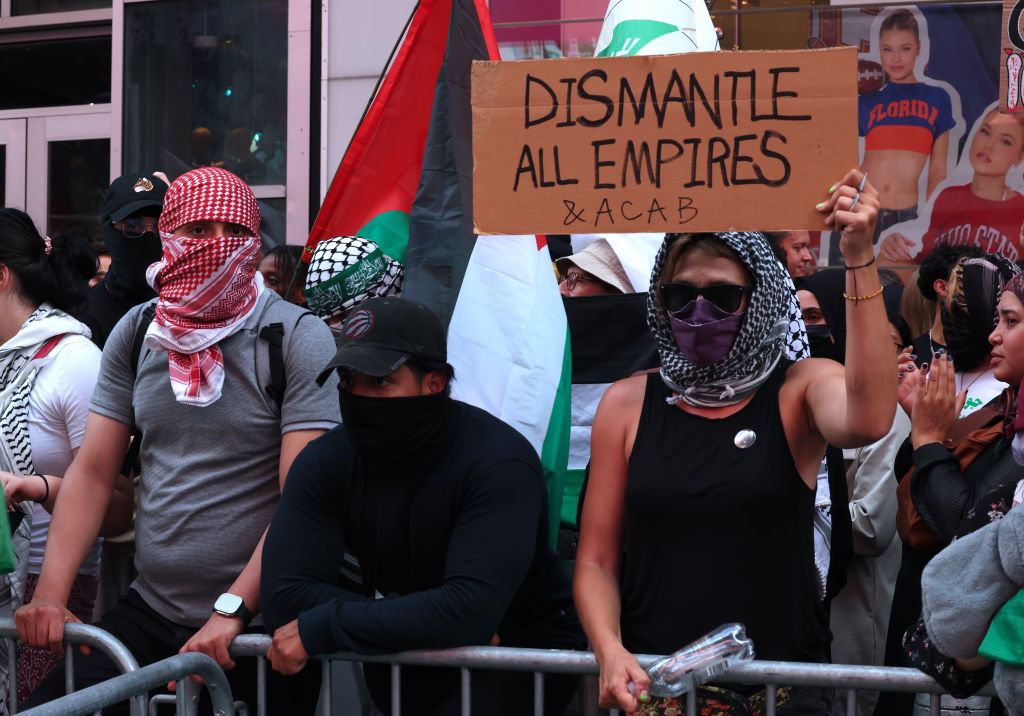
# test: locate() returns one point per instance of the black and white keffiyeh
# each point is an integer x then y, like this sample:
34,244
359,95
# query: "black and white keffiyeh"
345,271
772,328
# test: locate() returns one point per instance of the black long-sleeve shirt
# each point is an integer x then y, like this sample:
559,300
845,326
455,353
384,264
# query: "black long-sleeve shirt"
460,552
943,494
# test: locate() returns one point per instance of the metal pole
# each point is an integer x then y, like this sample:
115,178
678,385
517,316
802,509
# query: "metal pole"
69,668
851,702
934,707
771,695
538,693
396,690
326,688
118,689
466,710
261,686
691,702
12,675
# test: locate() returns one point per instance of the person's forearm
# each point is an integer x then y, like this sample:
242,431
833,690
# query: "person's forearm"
598,604
77,516
247,584
940,491
870,370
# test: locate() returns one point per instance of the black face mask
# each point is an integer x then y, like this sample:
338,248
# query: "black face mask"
129,259
822,343
398,435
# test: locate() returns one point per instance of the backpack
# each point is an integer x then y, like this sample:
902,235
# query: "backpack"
968,438
272,333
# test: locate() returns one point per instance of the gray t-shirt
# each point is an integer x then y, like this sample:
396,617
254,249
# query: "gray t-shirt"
209,480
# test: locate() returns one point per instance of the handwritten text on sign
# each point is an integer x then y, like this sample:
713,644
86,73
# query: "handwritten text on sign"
698,142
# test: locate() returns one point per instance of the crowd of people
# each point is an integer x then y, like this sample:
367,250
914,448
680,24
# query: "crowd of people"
823,456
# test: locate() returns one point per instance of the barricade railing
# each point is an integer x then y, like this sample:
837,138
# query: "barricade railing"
770,674
137,684
75,635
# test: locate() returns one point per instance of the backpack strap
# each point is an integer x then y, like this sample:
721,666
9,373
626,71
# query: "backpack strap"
273,334
132,456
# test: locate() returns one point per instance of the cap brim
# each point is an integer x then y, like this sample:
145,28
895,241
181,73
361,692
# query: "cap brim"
128,209
377,362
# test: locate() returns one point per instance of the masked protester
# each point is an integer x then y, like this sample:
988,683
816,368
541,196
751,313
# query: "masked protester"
216,447
864,498
130,210
445,508
344,272
700,503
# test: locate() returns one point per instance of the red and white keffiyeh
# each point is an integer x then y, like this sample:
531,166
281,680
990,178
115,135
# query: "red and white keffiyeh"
207,287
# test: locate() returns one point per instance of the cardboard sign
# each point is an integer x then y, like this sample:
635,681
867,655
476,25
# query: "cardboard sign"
1011,99
697,142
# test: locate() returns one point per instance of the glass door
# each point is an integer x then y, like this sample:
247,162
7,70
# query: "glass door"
12,163
67,171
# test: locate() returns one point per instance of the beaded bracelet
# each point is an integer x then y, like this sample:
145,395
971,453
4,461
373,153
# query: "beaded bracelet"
858,299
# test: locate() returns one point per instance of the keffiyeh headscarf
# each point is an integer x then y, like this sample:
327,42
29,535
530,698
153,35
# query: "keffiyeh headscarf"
974,289
347,270
207,286
772,328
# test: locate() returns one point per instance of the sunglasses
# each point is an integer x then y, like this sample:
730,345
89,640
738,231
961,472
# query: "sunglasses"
136,227
727,296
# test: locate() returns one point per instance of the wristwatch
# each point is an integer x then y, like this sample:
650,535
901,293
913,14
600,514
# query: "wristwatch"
231,605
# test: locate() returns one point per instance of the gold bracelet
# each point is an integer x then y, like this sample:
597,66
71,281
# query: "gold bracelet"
858,299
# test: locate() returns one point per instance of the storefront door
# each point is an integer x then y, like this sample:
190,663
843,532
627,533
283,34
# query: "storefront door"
56,167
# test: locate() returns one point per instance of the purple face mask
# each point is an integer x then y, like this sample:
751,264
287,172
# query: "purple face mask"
704,332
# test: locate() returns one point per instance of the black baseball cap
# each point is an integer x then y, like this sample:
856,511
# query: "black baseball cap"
381,334
130,193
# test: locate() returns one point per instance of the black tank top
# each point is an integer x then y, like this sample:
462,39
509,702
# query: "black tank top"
715,533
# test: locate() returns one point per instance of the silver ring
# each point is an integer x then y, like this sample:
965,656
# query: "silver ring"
863,181
856,198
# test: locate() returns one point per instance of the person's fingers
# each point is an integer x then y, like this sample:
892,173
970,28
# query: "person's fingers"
960,401
85,649
55,636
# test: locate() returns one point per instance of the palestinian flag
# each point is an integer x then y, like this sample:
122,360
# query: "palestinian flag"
610,341
373,190
406,183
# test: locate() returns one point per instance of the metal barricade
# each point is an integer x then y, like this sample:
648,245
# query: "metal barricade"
134,685
770,674
74,635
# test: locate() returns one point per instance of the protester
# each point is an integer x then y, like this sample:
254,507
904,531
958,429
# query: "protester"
933,282
284,273
103,258
793,249
345,271
216,447
724,311
966,587
986,213
594,271
446,510
130,210
859,613
918,311
940,491
48,369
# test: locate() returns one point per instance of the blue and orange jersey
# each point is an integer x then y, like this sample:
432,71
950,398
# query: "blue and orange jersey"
904,116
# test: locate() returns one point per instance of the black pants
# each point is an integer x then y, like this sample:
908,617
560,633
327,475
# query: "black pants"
150,637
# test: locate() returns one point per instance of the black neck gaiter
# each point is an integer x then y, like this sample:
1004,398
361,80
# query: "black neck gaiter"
398,435
129,259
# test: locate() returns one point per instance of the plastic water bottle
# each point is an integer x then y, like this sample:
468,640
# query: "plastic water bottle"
704,660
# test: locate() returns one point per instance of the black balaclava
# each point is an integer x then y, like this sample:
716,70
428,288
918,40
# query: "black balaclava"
129,259
398,436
